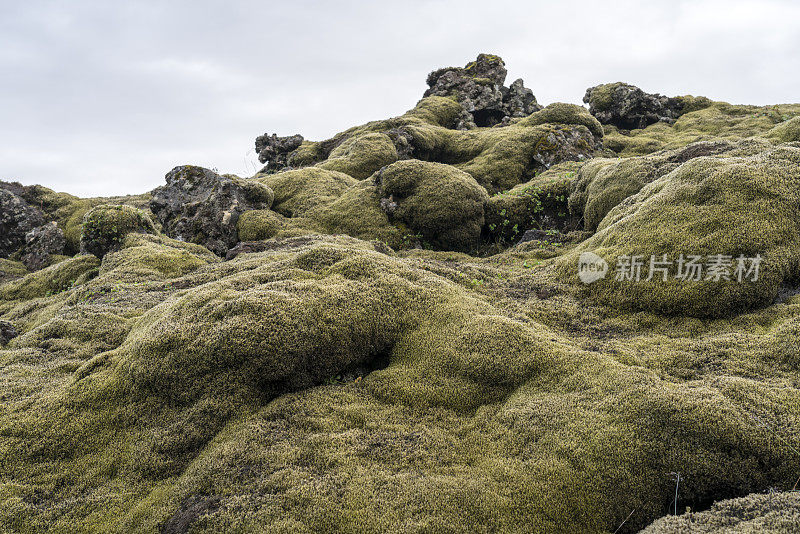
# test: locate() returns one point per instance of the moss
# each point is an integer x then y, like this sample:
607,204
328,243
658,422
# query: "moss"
442,204
69,210
560,113
360,156
50,280
299,190
256,225
105,227
603,96
9,270
443,388
356,213
704,122
707,206
785,132
498,158
511,213
771,513
150,257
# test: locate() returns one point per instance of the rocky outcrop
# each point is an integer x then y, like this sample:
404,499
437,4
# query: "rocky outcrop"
7,332
628,107
274,150
200,206
17,218
479,89
40,244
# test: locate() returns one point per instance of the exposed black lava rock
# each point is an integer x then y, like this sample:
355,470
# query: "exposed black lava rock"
628,107
200,206
479,89
274,150
17,218
40,244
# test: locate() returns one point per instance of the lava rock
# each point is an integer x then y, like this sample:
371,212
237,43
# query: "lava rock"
7,332
479,89
627,107
40,244
274,150
200,206
17,218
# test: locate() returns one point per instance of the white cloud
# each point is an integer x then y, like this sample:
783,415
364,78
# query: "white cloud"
104,98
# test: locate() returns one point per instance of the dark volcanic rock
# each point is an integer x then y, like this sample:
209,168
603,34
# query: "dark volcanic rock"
479,89
628,107
41,243
7,332
17,218
200,206
274,150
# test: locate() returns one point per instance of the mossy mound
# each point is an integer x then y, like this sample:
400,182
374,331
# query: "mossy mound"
719,120
105,227
361,156
729,206
443,205
10,269
604,182
771,513
255,225
560,113
298,191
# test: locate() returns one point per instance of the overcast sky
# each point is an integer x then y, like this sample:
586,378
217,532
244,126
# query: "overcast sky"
100,98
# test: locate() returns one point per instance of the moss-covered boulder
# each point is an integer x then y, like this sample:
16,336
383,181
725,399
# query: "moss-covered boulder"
360,156
442,204
605,182
627,106
297,191
105,227
772,512
730,213
255,225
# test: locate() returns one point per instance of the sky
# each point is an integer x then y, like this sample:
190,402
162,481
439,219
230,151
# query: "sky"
103,98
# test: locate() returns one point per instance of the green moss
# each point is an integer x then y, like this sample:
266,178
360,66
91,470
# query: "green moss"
150,257
356,213
51,280
10,270
560,113
360,156
603,95
69,210
770,513
105,227
707,206
256,225
299,190
702,121
511,213
442,204
785,132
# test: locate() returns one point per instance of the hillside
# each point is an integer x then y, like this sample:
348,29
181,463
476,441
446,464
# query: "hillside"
390,331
